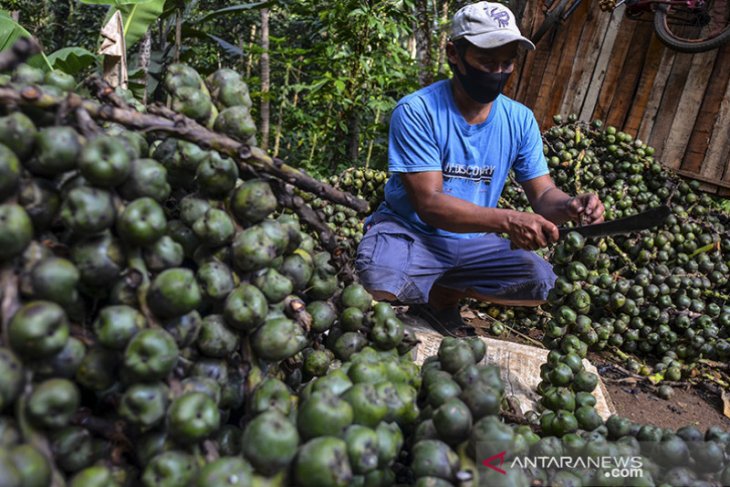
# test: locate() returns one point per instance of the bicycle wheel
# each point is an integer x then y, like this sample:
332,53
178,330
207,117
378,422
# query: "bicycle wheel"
694,31
552,17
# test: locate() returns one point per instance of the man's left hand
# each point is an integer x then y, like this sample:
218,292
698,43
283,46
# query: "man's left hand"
585,209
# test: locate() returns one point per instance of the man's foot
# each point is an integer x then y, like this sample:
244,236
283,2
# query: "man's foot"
446,321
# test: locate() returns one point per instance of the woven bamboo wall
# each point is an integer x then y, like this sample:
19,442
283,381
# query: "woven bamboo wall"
607,66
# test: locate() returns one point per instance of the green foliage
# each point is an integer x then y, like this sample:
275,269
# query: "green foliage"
138,15
11,31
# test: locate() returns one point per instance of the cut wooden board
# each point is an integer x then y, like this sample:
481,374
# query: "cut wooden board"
706,119
599,72
612,82
649,72
718,153
657,92
688,108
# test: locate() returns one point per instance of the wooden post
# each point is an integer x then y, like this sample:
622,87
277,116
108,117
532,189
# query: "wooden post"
114,50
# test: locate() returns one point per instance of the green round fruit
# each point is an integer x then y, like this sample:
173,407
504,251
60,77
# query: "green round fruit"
16,230
362,448
150,355
32,465
57,151
224,472
433,458
323,462
453,421
147,178
18,133
278,339
174,292
11,377
38,329
324,414
96,476
270,442
144,405
142,222
55,279
116,325
52,403
9,170
170,469
215,338
193,417
104,162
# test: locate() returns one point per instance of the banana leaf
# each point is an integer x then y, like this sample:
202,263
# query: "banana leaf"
11,31
72,60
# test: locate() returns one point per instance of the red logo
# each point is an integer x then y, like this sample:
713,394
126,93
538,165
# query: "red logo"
488,462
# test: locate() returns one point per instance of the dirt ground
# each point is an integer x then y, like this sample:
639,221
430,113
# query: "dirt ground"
637,400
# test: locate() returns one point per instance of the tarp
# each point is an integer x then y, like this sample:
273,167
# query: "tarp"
519,365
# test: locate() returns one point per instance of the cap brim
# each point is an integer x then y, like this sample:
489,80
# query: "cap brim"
490,40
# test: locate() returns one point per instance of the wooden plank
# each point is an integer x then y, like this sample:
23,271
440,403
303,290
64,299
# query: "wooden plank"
718,151
543,89
649,72
612,79
628,79
657,92
699,140
526,58
585,61
670,101
567,60
688,108
595,81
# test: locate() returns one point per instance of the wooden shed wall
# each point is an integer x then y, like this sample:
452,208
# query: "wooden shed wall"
607,66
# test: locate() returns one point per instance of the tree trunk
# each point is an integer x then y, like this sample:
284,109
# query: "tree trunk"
353,132
145,52
424,52
265,80
443,37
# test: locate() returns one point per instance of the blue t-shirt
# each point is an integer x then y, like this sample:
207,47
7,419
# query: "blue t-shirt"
428,133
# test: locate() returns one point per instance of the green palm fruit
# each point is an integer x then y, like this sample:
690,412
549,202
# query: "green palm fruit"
229,440
179,75
134,142
215,280
271,394
192,102
224,472
214,228
55,279
64,363
481,399
348,344
245,308
270,442
18,133
356,296
150,355
99,260
16,230
317,363
204,385
184,235
32,465
455,354
236,122
587,417
215,338
95,476
57,151
192,208
216,175
52,403
366,371
233,93
9,172
232,393
61,80
322,285
390,442
220,77
97,370
104,162
174,292
323,315
72,447
163,254
453,421
362,448
323,414
192,417
26,74
184,329
142,222
40,200
298,270
11,476
278,339
38,329
433,458
87,211
388,333
253,201
323,462
253,249
11,377
170,469
116,325
147,177
144,405
212,369
274,285
368,406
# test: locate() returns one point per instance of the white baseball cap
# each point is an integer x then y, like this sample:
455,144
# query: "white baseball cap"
487,25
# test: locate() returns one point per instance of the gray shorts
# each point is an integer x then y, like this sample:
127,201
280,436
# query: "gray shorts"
407,264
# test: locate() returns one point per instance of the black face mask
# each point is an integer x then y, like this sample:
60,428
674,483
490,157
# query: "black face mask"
481,86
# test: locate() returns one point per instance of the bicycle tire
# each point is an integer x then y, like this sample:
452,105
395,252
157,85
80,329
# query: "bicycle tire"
552,17
685,45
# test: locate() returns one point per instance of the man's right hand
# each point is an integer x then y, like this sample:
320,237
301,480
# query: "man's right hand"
530,231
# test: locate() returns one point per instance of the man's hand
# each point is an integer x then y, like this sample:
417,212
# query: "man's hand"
530,231
585,209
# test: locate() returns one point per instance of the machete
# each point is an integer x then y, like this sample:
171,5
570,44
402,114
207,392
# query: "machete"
640,221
